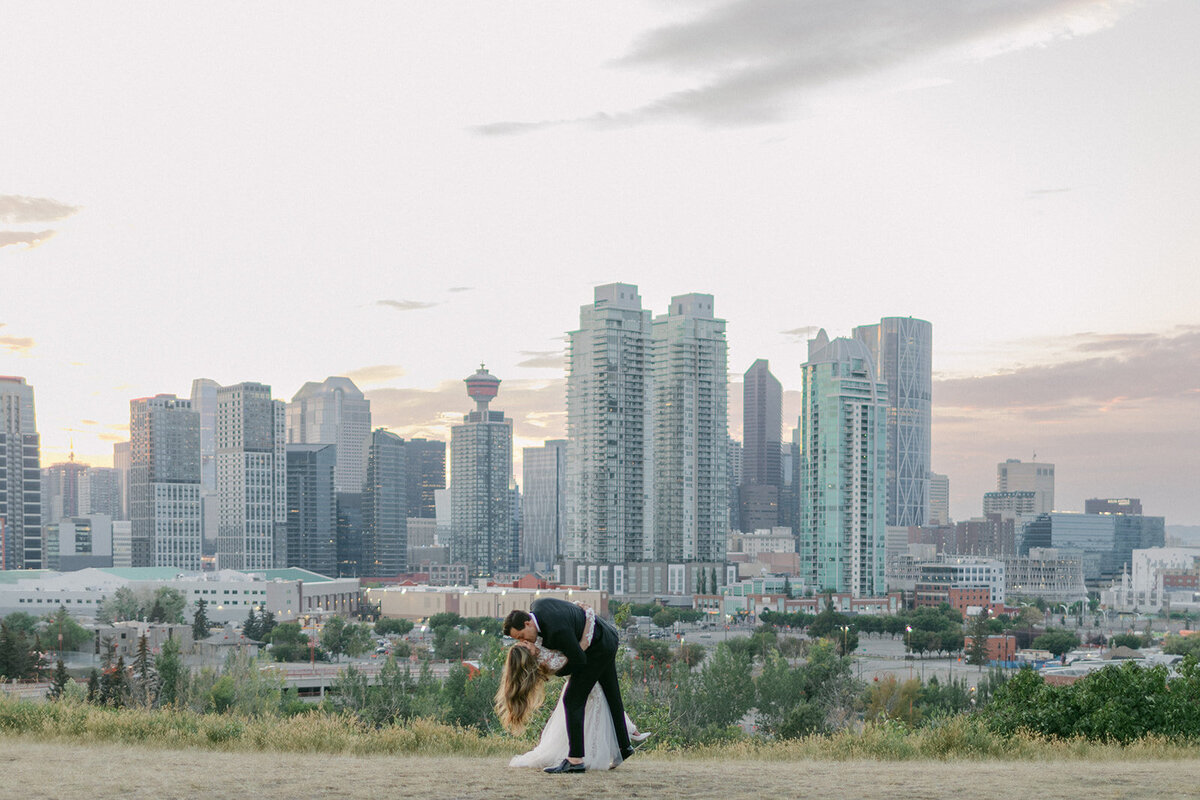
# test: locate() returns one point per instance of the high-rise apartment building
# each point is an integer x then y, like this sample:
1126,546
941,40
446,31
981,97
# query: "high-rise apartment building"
384,542
691,432
334,412
901,349
204,403
843,440
481,468
762,426
60,490
1015,475
544,503
425,473
939,499
251,478
20,477
121,465
610,430
312,508
164,483
99,492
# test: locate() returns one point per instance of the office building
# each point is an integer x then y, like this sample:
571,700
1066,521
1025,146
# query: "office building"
939,499
425,473
762,468
349,533
843,441
544,504
481,468
204,403
901,348
1103,542
251,478
691,432
164,482
312,507
20,477
610,430
1015,475
384,548
334,412
1112,505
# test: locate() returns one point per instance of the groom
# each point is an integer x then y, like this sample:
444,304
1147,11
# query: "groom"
559,626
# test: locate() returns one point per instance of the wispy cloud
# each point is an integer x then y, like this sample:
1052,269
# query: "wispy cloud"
18,210
804,332
537,408
744,62
17,344
29,238
460,288
405,305
379,373
544,359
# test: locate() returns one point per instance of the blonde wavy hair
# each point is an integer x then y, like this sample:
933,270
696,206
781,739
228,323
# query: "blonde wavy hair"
522,689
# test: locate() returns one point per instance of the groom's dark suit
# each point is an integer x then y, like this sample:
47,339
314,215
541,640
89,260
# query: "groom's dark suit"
561,625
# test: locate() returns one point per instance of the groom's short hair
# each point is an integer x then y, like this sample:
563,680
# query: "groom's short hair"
516,619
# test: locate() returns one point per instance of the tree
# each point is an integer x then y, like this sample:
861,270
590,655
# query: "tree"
157,613
702,582
74,635
333,636
445,619
250,626
171,675
288,642
266,624
977,652
59,681
200,623
385,626
22,623
712,580
1057,641
143,688
122,604
665,618
113,684
1130,640
16,654
172,602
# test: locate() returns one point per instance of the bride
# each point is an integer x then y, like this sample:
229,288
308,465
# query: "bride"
522,691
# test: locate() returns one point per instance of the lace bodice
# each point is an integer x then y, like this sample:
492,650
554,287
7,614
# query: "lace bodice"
555,660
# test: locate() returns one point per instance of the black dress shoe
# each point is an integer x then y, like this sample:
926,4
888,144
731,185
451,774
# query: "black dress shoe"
566,766
627,752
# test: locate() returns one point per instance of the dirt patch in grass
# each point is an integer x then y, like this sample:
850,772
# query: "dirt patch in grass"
37,769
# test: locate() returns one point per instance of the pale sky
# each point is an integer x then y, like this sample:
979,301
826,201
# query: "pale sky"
395,192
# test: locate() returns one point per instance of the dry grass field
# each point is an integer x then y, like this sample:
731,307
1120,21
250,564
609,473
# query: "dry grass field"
32,768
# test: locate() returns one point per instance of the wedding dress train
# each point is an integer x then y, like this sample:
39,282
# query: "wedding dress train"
600,749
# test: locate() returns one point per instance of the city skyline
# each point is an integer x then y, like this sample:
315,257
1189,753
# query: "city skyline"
464,212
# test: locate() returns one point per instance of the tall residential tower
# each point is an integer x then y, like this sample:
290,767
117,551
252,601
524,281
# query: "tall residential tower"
164,483
843,440
20,477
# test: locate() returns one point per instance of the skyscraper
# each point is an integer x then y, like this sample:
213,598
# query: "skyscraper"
60,490
843,435
204,403
384,548
762,426
544,503
1015,475
121,465
334,412
691,432
610,430
164,483
901,349
425,473
481,507
251,478
939,499
20,477
312,508
99,492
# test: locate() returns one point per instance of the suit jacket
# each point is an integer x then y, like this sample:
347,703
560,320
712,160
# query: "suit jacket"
561,626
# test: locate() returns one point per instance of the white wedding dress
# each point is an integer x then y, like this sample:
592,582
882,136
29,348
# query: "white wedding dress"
600,750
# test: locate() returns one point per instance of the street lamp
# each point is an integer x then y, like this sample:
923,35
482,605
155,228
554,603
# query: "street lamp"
845,638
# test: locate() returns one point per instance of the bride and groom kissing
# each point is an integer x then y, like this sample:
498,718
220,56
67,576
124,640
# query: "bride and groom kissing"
589,728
